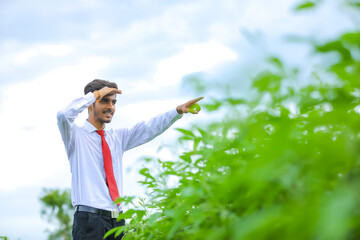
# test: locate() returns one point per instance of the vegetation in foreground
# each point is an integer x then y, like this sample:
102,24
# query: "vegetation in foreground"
281,164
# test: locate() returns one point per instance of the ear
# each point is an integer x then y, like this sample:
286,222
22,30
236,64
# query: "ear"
90,108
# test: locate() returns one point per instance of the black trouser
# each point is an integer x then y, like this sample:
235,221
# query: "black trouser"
91,226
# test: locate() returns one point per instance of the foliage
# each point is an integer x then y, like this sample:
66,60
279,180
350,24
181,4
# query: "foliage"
306,5
283,163
57,206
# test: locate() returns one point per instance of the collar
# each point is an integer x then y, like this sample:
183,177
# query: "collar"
89,127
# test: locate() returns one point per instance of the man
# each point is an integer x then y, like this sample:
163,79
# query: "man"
95,155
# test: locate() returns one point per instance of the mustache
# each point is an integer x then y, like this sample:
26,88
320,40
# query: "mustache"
108,111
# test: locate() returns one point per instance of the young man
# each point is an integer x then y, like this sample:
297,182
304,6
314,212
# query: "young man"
95,155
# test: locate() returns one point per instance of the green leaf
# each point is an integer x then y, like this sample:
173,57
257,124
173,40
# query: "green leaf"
201,131
186,158
185,138
267,81
305,6
277,62
126,215
337,46
154,217
352,38
140,214
119,231
145,172
236,101
212,107
112,231
126,200
185,132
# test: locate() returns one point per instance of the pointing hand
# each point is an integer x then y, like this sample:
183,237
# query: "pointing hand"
191,106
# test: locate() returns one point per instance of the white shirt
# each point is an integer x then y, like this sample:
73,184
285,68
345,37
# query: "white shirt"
83,148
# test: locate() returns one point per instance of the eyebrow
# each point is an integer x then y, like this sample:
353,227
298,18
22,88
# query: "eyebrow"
108,99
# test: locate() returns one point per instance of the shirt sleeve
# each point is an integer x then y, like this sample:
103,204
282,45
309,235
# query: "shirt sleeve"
66,118
147,130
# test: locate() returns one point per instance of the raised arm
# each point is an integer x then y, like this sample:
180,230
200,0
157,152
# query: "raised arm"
67,116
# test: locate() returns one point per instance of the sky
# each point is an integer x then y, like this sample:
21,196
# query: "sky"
51,49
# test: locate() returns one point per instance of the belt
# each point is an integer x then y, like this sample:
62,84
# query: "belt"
112,214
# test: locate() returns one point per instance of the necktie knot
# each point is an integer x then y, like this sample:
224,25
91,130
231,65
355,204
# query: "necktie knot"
100,132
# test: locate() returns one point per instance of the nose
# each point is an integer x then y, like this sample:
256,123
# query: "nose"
111,106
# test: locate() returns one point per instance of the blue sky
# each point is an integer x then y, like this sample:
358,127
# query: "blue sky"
51,49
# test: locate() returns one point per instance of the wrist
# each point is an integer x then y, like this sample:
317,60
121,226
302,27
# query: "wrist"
178,109
97,94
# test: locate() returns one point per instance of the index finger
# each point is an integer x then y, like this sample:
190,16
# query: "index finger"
195,100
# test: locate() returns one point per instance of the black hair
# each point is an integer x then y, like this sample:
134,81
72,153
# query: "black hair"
98,84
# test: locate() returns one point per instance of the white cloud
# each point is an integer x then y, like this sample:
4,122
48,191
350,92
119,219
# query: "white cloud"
58,50
21,54
32,147
24,56
194,58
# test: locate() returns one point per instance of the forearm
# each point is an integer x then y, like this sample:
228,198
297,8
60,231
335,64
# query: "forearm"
77,106
66,116
147,130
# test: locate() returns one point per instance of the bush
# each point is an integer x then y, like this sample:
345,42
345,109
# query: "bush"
283,163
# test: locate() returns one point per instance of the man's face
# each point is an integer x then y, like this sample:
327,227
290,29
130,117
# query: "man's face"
104,109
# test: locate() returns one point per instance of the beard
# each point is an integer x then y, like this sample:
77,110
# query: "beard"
102,116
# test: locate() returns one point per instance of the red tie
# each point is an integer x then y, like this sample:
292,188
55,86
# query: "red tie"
110,179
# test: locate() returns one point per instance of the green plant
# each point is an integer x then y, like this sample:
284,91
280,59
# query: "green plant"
57,206
282,164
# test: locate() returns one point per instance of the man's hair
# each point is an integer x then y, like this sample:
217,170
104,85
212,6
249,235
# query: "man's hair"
98,84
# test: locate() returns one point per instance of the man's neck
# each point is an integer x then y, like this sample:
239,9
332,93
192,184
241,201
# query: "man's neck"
96,124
